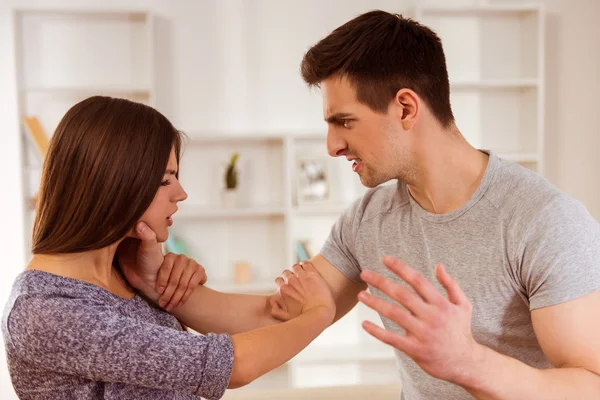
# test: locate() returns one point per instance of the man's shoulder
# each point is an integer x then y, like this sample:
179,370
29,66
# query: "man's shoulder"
519,194
381,200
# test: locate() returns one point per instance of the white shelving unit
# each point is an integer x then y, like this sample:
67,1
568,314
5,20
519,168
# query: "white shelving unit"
495,59
265,226
67,55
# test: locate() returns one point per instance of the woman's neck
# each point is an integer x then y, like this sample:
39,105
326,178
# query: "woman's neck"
94,266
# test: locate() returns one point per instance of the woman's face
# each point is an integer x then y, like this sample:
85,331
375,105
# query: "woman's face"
164,205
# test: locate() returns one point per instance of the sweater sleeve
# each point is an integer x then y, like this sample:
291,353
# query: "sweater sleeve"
93,341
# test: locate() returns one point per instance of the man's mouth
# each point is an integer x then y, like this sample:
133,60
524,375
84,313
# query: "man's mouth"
356,163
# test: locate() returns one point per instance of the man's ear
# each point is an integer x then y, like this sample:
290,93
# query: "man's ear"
408,106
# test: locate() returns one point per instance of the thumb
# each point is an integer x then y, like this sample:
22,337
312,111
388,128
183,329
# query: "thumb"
277,312
144,233
147,237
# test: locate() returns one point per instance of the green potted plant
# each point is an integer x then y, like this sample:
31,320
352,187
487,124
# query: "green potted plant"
231,182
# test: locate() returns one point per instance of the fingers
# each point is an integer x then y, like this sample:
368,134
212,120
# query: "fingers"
455,293
298,270
308,266
400,316
165,272
400,342
286,275
182,285
419,283
195,281
396,291
174,279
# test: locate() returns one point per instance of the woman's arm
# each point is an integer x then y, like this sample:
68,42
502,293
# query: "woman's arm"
94,341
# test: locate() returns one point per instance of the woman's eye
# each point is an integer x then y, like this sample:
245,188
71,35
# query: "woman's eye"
165,183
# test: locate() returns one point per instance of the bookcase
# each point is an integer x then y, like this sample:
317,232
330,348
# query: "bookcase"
495,59
66,55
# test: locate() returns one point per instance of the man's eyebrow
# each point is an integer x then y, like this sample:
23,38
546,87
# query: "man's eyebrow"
337,116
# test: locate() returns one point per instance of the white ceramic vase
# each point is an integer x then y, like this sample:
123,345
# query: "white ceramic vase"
229,198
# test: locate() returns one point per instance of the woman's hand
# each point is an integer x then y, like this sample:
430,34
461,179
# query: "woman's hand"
301,290
168,280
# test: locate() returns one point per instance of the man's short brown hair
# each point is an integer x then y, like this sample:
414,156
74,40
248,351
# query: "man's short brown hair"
381,53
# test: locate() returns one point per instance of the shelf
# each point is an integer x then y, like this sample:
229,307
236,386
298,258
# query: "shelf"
495,84
232,287
483,10
88,90
366,351
324,209
215,212
230,138
134,15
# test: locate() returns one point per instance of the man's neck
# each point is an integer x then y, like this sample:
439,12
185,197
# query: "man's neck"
449,172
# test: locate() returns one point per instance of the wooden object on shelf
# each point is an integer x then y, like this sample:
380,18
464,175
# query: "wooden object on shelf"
37,135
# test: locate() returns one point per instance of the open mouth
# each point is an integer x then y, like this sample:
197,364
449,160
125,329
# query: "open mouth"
356,164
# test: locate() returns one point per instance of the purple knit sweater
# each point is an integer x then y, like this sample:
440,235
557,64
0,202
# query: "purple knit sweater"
68,339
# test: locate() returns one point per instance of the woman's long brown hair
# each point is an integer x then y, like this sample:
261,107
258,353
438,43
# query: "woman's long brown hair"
104,166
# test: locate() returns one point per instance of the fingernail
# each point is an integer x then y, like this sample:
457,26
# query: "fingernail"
161,289
170,307
141,227
179,304
162,303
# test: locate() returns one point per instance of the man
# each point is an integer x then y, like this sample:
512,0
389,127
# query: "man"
525,255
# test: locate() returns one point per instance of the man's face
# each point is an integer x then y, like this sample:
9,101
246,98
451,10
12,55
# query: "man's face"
371,141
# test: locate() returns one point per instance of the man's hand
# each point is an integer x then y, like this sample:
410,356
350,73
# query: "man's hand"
168,280
438,329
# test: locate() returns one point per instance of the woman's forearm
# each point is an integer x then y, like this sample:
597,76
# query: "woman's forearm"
261,350
211,311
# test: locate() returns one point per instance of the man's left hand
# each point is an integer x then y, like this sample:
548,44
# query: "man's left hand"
438,329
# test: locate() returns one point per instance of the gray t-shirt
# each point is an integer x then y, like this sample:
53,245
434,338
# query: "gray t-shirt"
518,244
68,339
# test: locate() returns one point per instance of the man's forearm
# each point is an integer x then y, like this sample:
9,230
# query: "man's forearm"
210,311
494,376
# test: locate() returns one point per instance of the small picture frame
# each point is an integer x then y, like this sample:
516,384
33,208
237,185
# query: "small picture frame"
312,180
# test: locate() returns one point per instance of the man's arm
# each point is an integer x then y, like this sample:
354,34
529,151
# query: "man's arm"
569,334
210,311
343,289
440,341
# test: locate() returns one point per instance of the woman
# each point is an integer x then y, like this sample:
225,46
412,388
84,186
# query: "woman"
74,328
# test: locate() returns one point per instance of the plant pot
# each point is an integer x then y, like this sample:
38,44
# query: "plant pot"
229,198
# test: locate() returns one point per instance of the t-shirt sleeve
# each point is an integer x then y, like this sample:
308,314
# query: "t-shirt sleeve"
72,336
340,246
561,254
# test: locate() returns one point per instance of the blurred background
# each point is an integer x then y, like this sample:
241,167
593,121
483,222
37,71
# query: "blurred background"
262,191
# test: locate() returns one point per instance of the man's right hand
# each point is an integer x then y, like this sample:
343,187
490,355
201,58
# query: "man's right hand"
300,290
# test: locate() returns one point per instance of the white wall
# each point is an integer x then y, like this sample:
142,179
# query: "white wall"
233,65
